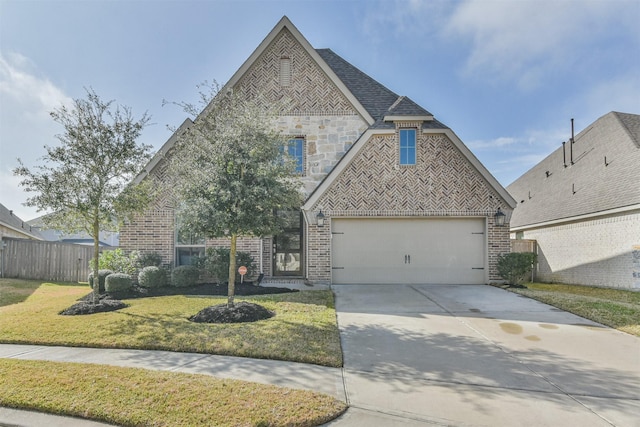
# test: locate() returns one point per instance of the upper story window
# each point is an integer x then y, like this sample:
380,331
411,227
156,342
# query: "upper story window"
295,149
407,146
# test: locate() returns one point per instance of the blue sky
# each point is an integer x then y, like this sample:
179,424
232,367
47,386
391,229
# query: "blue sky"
506,76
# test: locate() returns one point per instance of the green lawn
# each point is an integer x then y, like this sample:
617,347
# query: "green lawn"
304,328
616,308
138,397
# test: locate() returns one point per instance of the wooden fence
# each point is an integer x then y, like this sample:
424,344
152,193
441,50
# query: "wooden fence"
524,246
40,260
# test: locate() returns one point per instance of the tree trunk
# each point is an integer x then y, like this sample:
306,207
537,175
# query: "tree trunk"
96,255
232,270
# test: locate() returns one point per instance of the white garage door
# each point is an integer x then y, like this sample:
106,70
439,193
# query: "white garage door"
407,250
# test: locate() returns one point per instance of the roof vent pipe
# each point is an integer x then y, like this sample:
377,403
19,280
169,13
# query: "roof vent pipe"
564,155
572,142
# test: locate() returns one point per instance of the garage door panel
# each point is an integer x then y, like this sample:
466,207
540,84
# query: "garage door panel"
367,250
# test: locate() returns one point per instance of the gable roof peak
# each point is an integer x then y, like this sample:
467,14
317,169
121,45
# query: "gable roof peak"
405,109
328,70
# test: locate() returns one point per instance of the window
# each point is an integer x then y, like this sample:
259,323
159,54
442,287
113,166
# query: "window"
188,245
407,146
295,149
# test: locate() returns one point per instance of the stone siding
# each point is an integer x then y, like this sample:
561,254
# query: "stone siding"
597,252
327,139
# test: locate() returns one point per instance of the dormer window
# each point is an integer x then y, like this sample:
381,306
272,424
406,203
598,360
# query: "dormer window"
285,71
407,146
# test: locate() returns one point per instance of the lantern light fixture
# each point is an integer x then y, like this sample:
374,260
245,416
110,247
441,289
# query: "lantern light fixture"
499,218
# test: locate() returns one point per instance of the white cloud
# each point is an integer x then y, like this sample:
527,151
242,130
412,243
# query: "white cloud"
12,196
404,18
27,99
538,140
19,85
530,41
618,94
25,124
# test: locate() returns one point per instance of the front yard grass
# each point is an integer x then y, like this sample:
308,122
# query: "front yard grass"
304,328
619,309
137,397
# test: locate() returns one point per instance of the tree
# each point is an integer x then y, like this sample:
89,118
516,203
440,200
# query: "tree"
85,180
230,173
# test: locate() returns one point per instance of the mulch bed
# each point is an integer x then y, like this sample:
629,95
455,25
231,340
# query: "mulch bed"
240,312
111,302
86,306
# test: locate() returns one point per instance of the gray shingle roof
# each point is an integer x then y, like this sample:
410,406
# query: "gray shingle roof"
8,218
373,96
378,100
603,176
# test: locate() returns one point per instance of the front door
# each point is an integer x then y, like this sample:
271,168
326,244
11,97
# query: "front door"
287,246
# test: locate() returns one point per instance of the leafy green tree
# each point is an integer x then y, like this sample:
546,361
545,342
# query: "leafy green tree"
85,180
229,172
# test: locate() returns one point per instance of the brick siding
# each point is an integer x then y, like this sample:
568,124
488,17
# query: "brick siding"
595,252
442,183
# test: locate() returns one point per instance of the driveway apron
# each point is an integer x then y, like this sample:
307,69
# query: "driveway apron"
480,356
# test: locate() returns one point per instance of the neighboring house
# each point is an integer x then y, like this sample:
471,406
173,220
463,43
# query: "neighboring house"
106,239
582,205
392,195
12,226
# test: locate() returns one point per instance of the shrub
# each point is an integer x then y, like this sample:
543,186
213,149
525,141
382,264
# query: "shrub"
117,261
184,275
216,263
149,259
515,266
152,277
117,282
102,275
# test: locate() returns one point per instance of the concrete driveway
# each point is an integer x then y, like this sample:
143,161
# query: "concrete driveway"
480,356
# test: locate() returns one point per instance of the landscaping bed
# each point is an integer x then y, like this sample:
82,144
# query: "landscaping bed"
304,328
112,301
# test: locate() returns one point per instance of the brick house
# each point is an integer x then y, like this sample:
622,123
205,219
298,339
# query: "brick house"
402,198
582,206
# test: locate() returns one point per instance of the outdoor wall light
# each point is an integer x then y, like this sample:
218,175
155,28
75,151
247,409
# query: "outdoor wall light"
499,218
320,219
